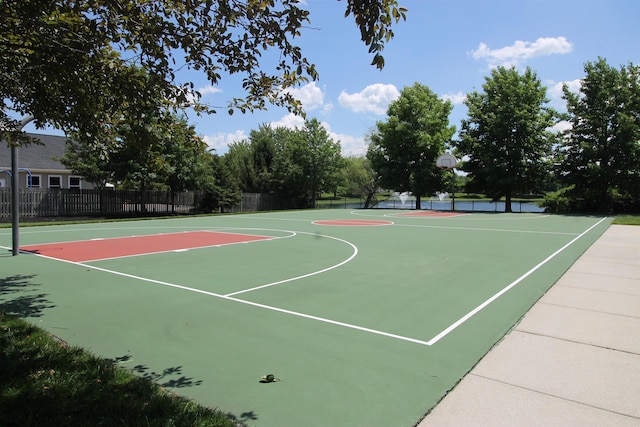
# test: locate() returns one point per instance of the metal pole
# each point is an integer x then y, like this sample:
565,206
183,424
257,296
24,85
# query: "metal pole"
453,191
15,199
15,193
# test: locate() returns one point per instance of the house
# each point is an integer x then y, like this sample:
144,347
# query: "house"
38,167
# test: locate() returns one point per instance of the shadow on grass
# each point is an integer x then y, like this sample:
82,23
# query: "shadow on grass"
44,383
18,296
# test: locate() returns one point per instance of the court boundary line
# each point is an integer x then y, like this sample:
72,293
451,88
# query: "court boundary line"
504,290
429,343
498,230
230,297
539,215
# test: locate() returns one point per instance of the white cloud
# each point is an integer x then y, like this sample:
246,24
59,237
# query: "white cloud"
221,141
350,145
309,95
455,98
203,91
374,98
561,126
208,90
521,51
290,121
554,90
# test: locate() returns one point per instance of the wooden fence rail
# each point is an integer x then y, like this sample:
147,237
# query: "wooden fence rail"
53,203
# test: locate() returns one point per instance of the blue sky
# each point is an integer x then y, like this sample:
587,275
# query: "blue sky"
448,45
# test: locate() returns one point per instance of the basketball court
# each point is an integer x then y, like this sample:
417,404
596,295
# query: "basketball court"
367,317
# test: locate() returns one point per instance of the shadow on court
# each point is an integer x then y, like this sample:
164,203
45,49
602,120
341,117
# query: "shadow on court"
173,377
167,378
19,296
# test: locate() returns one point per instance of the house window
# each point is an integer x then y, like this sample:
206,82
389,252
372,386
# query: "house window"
74,182
55,181
35,181
3,183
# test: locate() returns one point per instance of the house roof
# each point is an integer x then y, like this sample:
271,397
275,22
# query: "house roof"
34,156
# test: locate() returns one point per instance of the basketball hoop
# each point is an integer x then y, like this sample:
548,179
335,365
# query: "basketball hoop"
446,161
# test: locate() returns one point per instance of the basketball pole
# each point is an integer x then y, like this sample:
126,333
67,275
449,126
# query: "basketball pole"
15,193
453,190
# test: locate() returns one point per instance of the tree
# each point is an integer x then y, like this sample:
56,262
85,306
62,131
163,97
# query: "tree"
359,178
506,138
296,164
226,191
68,63
161,151
90,160
403,150
305,162
323,160
239,159
600,154
288,177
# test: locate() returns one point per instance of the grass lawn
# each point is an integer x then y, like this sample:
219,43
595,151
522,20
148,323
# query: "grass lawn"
627,220
45,382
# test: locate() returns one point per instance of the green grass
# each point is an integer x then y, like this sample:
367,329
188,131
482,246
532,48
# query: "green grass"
45,382
627,220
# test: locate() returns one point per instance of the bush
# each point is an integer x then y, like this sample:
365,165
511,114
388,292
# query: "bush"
559,201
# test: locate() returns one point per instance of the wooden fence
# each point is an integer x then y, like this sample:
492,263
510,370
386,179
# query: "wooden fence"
53,203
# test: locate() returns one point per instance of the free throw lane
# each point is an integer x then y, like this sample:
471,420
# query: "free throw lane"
97,249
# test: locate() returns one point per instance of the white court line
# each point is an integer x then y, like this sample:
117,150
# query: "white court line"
219,245
230,298
500,230
353,255
460,214
473,312
429,343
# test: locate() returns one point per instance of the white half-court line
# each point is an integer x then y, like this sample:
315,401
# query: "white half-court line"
473,312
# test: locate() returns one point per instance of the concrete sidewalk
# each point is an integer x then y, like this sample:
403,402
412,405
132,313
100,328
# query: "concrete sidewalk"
573,360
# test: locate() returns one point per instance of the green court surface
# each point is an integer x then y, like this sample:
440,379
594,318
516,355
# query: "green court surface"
364,324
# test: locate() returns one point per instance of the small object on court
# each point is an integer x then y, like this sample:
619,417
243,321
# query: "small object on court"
269,378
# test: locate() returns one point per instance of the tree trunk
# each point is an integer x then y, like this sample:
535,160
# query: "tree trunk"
417,201
507,202
368,201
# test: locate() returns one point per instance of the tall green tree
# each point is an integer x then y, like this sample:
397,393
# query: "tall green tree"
506,139
289,180
323,160
404,148
359,179
600,154
305,163
67,63
239,159
252,160
154,151
184,154
226,192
